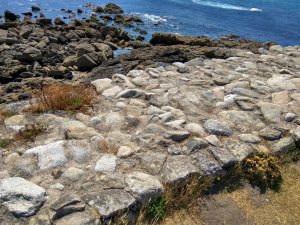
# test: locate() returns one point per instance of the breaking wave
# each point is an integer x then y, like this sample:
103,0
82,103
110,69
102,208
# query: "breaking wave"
224,5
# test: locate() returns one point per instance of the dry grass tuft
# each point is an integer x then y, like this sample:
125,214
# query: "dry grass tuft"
65,97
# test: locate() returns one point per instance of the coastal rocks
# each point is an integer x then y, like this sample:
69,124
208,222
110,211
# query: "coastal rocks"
217,127
21,197
112,8
8,15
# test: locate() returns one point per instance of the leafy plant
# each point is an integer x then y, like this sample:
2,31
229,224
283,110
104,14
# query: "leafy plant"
262,170
157,208
4,143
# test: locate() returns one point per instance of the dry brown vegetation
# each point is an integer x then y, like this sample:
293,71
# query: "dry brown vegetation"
65,97
281,208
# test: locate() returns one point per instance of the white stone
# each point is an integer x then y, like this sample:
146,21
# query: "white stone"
50,155
107,163
102,84
15,123
111,92
124,152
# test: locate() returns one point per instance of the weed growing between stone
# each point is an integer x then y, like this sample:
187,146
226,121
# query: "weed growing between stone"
71,98
262,170
30,132
157,209
4,143
176,196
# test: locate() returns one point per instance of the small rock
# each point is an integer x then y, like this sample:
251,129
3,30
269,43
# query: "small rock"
249,138
73,174
289,117
214,140
124,152
111,92
102,84
195,128
107,163
218,128
178,136
130,93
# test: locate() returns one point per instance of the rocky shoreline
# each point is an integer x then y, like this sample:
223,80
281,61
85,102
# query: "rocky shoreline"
38,49
171,110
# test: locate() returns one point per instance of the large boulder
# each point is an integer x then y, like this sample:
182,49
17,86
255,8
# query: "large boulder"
21,197
8,15
112,8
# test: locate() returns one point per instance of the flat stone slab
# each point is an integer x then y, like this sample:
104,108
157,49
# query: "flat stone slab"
21,197
110,202
145,186
208,165
178,168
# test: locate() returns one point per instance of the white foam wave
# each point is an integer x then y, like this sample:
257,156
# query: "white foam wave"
154,18
224,5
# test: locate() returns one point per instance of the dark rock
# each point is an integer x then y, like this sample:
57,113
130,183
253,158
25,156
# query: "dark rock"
85,61
35,8
28,54
98,9
79,11
66,205
59,21
8,15
27,14
112,8
44,21
178,136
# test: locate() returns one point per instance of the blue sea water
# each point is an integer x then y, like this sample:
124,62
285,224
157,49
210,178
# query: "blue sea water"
262,20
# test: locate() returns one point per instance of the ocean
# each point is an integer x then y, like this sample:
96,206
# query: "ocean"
261,20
